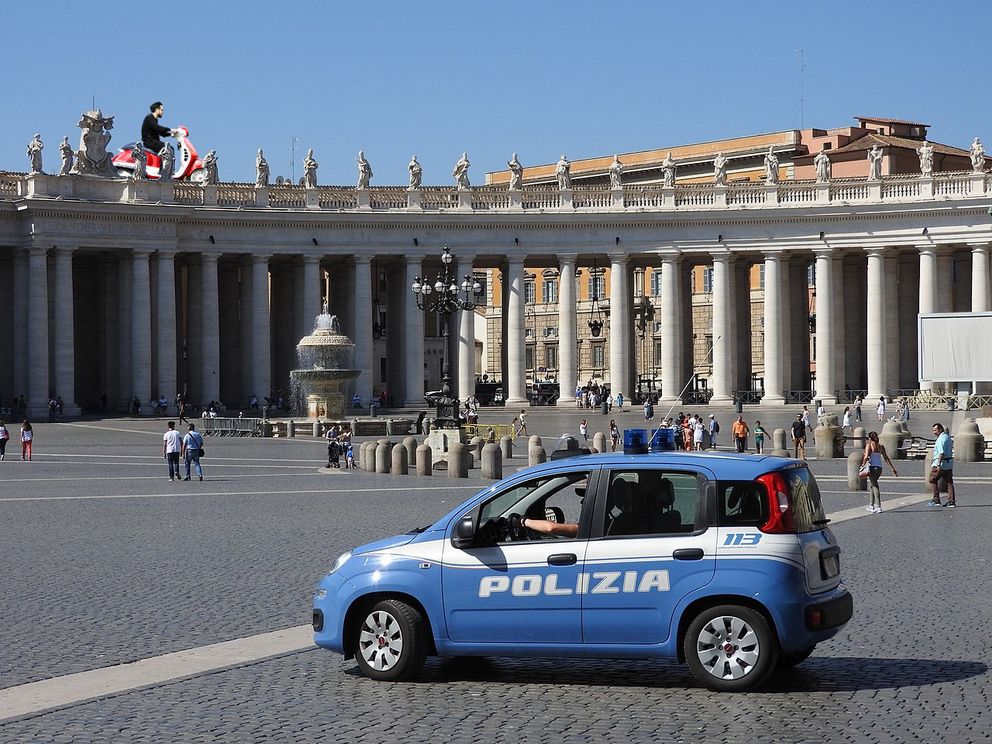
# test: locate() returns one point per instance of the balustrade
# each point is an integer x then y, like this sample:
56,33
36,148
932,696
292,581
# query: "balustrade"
952,184
592,196
489,198
849,190
337,197
438,198
643,196
188,193
235,195
797,192
540,197
287,197
387,198
749,193
8,183
695,196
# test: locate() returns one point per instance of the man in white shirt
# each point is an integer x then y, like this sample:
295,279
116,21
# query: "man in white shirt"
172,444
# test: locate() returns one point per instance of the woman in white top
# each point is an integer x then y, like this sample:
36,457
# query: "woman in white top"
27,438
697,435
874,454
584,430
846,424
880,409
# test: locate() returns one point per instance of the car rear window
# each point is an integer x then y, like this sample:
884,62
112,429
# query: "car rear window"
807,508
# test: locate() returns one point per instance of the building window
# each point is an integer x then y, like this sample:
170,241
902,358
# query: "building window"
597,285
551,356
708,279
656,326
529,292
530,357
551,332
528,333
481,278
598,356
811,275
656,283
657,353
549,290
638,282
761,276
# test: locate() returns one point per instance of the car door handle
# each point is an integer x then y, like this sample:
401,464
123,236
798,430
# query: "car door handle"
562,559
688,554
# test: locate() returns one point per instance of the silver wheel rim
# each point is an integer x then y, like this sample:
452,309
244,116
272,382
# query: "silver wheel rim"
728,647
381,641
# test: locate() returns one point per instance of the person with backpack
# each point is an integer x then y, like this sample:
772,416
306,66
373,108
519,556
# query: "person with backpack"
714,428
193,450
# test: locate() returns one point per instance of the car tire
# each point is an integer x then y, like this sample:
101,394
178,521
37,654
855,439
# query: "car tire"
787,661
391,641
730,648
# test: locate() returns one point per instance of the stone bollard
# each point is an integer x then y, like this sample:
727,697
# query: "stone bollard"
860,438
291,429
370,457
423,462
411,451
778,444
457,460
492,461
969,444
854,481
599,441
535,451
399,460
506,447
829,438
316,429
382,458
475,447
891,437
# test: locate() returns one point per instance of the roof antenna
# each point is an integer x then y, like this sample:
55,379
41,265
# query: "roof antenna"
802,100
93,108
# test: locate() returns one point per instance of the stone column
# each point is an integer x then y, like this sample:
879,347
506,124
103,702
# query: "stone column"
516,373
826,383
311,294
141,328
413,338
38,371
20,315
671,330
928,289
980,278
261,343
466,335
567,367
166,325
875,314
620,327
209,328
772,352
723,344
65,347
362,337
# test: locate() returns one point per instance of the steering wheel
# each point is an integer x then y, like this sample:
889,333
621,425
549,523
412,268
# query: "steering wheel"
517,531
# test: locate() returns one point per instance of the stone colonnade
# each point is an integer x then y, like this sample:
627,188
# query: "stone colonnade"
223,326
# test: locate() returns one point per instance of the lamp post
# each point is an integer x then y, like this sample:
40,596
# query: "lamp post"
446,297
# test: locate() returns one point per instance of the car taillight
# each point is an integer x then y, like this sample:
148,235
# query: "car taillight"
780,519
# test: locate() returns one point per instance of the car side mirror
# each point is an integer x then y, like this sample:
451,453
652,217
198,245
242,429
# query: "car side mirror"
464,533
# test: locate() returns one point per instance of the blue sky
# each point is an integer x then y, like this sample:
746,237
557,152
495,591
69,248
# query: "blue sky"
437,78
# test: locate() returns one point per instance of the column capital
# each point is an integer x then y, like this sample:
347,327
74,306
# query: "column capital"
309,258
167,253
875,251
63,249
258,258
983,246
362,259
141,252
618,258
568,258
209,256
516,261
412,258
824,251
34,249
722,257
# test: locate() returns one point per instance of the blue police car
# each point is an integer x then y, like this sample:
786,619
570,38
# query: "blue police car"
722,561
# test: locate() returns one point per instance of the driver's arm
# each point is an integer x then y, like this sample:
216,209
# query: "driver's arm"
551,528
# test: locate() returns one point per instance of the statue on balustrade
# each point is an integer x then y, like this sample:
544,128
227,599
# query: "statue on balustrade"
823,166
977,156
416,174
616,172
668,172
771,167
261,170
875,163
564,173
35,146
309,171
926,158
92,158
364,171
460,172
65,150
210,169
140,172
720,169
516,173
168,164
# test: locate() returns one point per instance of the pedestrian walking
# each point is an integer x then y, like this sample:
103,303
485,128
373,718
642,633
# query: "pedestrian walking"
620,402
904,411
880,408
697,435
740,431
806,421
874,454
515,427
799,437
27,440
846,421
333,448
942,467
614,435
4,438
349,457
523,421
759,437
648,410
714,429
181,407
193,451
857,408
584,430
172,445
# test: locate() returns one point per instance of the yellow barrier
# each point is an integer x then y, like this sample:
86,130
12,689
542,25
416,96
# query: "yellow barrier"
482,430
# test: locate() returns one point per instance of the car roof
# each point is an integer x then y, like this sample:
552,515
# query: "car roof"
729,465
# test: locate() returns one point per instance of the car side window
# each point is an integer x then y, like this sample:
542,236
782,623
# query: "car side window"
741,503
556,498
651,502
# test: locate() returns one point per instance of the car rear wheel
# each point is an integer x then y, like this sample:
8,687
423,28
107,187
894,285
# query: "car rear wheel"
787,661
730,648
391,642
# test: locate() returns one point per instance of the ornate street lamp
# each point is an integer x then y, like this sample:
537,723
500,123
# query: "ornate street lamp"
597,323
643,316
446,297
378,322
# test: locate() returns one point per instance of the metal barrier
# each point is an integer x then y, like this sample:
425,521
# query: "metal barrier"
482,430
233,427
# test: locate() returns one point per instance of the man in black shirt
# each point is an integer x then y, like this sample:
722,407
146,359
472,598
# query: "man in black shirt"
151,130
799,437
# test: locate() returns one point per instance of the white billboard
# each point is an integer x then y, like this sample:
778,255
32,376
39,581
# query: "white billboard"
955,347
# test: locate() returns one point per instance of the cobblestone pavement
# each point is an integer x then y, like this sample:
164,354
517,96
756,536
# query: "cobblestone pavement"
94,581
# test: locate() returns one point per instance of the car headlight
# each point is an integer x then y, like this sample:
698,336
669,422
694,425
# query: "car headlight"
341,560
320,594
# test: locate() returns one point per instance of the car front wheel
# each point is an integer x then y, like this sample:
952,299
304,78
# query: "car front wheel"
391,642
730,648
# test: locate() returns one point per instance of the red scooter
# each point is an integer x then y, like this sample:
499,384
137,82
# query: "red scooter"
188,165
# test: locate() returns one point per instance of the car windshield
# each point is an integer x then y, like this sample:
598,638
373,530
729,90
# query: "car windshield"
805,495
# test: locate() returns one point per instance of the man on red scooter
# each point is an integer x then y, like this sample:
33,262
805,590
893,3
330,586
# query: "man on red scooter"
151,130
